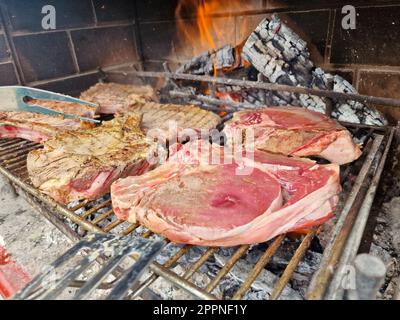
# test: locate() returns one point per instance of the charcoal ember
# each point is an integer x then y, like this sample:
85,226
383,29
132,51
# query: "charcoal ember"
200,65
344,112
225,57
264,283
366,115
279,261
278,53
205,62
167,252
194,254
228,287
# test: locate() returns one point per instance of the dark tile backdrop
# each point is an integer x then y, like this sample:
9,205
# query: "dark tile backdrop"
107,33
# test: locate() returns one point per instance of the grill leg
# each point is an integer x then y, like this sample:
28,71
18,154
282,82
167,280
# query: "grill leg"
370,273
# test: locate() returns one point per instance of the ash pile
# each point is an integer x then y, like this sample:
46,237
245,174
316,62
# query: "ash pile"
272,53
260,289
385,233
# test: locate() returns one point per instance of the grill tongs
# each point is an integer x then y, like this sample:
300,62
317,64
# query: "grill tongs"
111,250
14,98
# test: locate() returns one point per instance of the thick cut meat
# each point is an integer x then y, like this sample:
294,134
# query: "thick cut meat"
292,131
36,127
82,164
162,121
175,122
117,98
195,199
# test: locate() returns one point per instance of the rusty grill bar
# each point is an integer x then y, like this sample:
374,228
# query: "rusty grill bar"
13,153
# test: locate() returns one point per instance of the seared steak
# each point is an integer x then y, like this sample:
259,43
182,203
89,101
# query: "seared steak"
175,122
241,200
292,131
162,121
117,98
82,164
36,127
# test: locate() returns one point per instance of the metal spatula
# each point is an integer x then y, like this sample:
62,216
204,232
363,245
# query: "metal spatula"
111,251
14,98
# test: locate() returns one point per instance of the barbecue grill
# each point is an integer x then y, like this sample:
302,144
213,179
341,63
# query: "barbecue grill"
355,205
359,179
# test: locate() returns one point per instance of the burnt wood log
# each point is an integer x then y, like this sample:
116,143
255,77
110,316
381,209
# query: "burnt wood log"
223,58
282,57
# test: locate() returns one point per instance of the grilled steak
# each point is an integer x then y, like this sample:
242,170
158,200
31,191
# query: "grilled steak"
82,164
175,122
293,131
241,200
161,121
36,127
117,98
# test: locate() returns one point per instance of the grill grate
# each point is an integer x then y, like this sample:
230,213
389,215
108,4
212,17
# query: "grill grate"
97,216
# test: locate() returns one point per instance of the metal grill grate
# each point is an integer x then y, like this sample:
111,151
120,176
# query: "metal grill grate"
98,216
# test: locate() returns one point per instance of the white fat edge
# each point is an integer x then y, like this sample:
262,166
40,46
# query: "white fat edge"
54,183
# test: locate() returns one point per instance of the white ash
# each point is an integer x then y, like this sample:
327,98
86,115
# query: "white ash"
264,283
283,57
81,231
6,188
260,289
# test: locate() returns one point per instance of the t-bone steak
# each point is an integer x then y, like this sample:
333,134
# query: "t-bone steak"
176,123
82,164
36,127
196,198
292,131
117,98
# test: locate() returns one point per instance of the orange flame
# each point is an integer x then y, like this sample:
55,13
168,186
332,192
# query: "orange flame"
204,24
212,27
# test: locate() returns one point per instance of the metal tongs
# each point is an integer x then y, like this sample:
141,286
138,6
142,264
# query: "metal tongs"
14,98
96,257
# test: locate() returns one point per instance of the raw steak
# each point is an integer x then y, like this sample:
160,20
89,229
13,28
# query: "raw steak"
175,122
117,98
82,164
292,131
242,200
36,127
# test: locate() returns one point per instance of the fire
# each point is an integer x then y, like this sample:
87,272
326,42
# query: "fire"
212,27
204,24
207,25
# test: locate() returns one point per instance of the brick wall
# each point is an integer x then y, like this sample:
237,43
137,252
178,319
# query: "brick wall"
368,56
88,34
109,33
